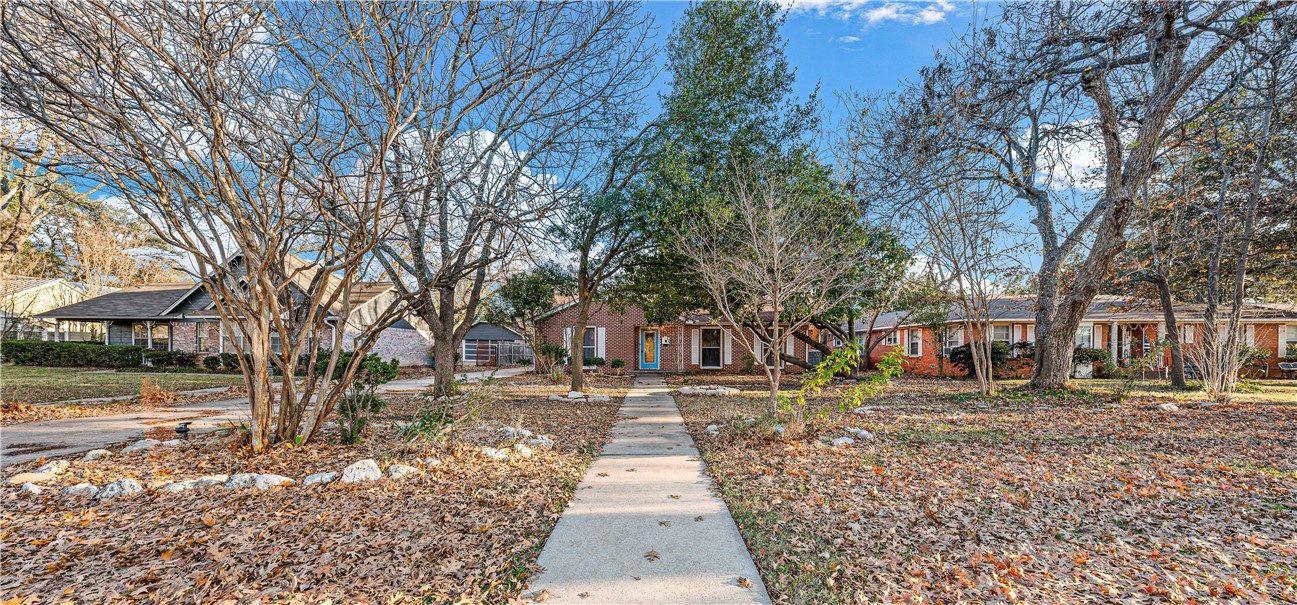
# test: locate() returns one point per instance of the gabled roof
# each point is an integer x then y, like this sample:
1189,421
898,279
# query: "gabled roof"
14,284
150,300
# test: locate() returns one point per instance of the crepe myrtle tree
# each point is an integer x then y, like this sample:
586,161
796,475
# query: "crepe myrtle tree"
237,144
505,103
775,253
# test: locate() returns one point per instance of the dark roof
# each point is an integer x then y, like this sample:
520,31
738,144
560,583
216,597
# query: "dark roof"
486,331
141,302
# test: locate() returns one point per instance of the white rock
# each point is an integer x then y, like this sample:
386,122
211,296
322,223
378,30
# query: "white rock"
522,450
81,489
362,470
321,478
240,480
53,466
176,487
575,395
712,429
541,442
96,454
495,454
525,434
209,480
558,398
860,433
142,445
841,441
31,489
1208,404
431,462
778,429
269,481
1167,407
708,390
397,471
121,487
864,411
172,443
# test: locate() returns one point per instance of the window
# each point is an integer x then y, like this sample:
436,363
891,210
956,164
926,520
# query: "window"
916,343
203,338
1288,336
1186,334
1085,336
589,346
275,346
893,339
1001,334
814,356
710,346
161,337
140,335
954,338
767,353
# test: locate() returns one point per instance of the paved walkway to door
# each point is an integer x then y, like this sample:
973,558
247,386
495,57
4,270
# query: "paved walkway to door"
644,525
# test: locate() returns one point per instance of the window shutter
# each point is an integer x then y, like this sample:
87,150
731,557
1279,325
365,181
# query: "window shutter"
1282,344
920,343
1031,333
1095,340
790,344
567,342
696,348
1250,334
727,346
598,347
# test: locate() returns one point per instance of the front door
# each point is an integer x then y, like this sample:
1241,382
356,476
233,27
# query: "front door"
648,349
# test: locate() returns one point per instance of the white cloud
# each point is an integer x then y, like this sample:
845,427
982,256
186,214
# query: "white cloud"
873,12
845,39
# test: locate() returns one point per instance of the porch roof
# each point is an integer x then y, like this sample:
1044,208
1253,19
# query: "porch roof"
150,301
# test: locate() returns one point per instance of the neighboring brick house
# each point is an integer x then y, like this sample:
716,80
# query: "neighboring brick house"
182,316
692,343
1127,329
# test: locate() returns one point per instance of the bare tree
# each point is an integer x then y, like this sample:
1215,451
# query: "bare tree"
503,105
205,121
33,185
774,257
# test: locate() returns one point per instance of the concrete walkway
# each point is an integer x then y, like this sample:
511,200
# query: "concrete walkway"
644,525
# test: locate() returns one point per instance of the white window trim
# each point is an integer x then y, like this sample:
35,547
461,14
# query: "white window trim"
720,348
912,337
893,339
1009,336
1087,328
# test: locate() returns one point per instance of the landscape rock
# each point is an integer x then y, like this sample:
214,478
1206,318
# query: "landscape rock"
240,480
431,462
22,478
96,455
841,441
712,429
707,390
398,471
522,450
172,443
121,487
1167,407
142,445
54,466
541,442
81,489
31,489
176,487
495,454
778,429
321,478
577,396
864,411
269,481
362,470
860,433
209,480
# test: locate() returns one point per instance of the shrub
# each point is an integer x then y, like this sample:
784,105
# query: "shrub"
71,354
617,364
361,399
592,361
962,356
212,362
171,359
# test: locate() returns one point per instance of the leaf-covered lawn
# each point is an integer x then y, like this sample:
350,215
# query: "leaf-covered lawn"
27,384
1049,499
469,528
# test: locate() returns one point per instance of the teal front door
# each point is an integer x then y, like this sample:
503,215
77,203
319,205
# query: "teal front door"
649,354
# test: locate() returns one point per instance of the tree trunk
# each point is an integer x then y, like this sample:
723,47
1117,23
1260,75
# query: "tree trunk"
443,347
774,388
1172,330
577,346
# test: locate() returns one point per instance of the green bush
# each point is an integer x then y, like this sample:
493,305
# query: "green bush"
70,354
592,361
962,356
212,363
617,364
171,359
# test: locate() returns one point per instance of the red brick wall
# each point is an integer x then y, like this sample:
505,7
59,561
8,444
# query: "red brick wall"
622,333
184,336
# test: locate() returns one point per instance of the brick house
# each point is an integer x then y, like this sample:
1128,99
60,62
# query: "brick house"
1127,329
694,342
181,316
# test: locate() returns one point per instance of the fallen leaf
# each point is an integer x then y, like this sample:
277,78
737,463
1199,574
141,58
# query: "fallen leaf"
651,555
745,583
664,523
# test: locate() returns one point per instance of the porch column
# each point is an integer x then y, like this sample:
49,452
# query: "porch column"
1112,340
58,326
1161,337
107,326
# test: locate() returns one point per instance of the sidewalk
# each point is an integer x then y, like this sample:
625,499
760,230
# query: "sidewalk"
424,382
644,525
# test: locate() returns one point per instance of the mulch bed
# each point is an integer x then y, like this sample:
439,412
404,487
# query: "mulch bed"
1047,498
467,530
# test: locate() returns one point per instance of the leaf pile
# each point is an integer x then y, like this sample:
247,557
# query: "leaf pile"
466,530
1049,498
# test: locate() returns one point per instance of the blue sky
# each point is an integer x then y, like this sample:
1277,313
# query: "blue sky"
868,45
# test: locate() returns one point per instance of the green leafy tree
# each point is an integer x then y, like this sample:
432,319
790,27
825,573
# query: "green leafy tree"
524,298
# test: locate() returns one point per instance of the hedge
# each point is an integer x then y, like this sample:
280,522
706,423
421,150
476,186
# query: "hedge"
70,354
